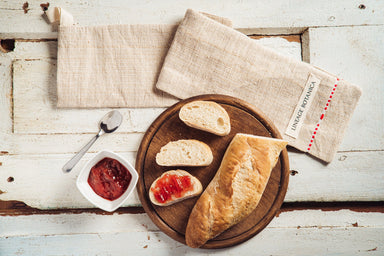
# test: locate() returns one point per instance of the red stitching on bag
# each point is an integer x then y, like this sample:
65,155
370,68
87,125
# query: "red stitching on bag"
322,115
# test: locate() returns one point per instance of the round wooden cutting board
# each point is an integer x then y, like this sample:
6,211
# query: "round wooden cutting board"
173,219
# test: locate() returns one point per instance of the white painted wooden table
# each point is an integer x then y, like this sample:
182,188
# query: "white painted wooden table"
334,209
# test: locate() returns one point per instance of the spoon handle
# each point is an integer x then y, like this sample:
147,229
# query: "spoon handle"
74,160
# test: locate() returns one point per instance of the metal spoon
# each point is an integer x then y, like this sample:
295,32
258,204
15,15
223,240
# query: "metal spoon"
109,123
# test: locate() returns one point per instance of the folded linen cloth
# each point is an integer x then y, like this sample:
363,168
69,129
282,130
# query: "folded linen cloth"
112,66
310,107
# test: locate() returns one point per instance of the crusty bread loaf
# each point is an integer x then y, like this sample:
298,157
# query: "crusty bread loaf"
207,116
197,188
185,153
236,189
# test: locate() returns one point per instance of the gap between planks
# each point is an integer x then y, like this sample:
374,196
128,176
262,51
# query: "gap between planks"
291,37
17,208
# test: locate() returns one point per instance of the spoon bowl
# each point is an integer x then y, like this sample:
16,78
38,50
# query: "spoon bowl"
109,123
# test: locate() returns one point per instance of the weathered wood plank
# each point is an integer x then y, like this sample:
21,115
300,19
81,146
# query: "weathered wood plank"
5,94
39,182
61,224
25,144
351,176
325,241
355,54
308,232
33,50
254,17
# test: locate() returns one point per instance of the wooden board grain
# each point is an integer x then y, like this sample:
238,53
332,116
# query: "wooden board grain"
173,219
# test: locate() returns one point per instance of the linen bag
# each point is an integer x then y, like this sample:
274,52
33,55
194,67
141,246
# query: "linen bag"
310,107
112,66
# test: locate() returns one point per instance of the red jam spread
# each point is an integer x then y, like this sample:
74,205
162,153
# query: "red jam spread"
109,178
171,186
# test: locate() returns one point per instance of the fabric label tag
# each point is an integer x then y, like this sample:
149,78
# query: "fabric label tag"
303,106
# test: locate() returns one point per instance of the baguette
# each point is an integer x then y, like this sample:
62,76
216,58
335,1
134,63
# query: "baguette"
207,116
185,153
172,191
236,189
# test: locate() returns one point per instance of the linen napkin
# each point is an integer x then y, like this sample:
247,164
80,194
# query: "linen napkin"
112,66
310,107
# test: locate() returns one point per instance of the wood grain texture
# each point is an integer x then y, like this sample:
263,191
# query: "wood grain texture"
5,95
34,49
47,144
304,232
168,127
39,181
352,176
249,15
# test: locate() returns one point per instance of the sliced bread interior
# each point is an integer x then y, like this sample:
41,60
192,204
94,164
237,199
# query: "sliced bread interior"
185,153
174,186
207,116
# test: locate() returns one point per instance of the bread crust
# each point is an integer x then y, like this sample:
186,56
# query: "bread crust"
236,189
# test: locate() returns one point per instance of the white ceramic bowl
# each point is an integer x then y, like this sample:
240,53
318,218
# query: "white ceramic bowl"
87,191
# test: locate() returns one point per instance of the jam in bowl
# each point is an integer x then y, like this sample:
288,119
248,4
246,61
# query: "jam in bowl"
107,180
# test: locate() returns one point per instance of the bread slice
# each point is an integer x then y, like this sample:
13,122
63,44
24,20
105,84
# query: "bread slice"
195,189
236,189
185,153
207,116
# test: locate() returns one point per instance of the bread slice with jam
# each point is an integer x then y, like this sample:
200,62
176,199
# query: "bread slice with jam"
174,186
